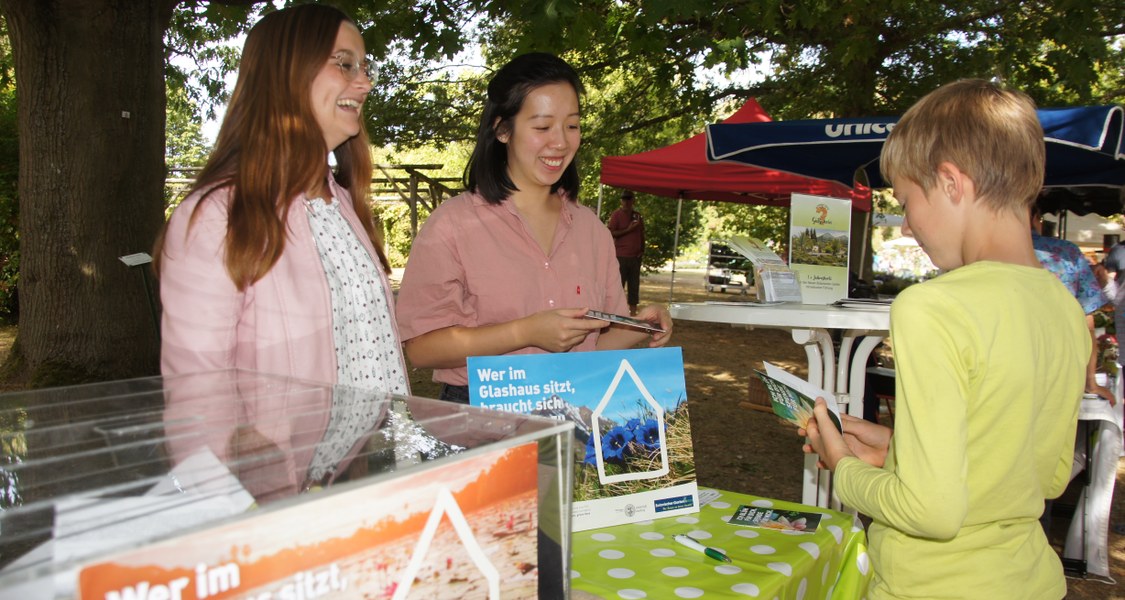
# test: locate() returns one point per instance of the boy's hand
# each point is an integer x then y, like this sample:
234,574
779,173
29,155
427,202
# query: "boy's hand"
824,440
1094,388
867,441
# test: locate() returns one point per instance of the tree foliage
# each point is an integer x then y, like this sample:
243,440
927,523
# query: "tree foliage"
184,145
644,65
656,71
9,176
200,50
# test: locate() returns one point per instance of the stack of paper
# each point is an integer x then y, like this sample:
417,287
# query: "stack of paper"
773,278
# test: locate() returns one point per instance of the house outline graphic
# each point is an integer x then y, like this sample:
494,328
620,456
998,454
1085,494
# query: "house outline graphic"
595,418
446,504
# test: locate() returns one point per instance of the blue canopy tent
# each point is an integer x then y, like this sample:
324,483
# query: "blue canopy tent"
1085,152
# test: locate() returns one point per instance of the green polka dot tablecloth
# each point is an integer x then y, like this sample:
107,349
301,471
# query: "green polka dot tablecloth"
641,560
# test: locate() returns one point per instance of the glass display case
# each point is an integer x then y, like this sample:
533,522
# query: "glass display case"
235,484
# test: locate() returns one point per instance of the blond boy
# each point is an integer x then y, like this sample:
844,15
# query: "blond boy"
990,361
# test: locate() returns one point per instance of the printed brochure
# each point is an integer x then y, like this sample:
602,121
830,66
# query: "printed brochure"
793,398
819,239
770,518
633,456
774,280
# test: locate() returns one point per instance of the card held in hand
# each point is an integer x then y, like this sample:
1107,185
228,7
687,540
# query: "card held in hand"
793,398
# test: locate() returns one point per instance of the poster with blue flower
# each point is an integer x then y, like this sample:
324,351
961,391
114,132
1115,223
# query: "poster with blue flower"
633,457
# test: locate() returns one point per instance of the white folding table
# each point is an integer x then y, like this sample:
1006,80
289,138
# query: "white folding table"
809,325
1098,448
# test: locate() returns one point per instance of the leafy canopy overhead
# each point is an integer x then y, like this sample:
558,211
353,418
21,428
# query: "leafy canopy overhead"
645,57
645,62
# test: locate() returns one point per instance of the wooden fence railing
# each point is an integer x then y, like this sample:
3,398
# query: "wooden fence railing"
411,184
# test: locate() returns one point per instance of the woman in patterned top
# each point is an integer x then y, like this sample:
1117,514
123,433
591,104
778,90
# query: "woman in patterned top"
1070,265
273,262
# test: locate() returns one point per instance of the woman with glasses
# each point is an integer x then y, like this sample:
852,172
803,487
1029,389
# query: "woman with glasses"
514,264
273,262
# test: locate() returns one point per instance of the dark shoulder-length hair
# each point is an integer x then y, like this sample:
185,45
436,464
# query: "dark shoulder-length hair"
270,149
487,171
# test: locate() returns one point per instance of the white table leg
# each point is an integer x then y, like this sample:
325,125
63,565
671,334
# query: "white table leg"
1088,534
815,488
857,381
820,354
847,379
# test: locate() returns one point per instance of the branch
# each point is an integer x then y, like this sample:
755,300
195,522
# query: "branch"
168,7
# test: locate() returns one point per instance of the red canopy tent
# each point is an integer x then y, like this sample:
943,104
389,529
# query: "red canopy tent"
681,171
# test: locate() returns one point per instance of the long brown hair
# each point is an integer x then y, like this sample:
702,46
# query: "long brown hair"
270,149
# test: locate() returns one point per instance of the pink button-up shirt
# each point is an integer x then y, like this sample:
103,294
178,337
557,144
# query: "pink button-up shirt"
476,263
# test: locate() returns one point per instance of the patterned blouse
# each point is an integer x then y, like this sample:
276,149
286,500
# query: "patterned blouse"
1073,269
368,354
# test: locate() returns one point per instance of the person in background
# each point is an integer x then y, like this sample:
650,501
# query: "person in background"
1066,261
990,359
1115,266
628,229
273,262
512,265
1106,281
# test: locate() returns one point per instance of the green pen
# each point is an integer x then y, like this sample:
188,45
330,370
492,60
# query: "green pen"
694,544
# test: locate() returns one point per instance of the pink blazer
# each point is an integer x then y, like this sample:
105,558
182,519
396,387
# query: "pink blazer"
282,324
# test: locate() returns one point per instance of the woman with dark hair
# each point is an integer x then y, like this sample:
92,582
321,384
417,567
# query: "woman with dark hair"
513,265
273,262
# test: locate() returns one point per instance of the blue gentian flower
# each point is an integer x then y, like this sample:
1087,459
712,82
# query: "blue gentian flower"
648,434
614,444
591,452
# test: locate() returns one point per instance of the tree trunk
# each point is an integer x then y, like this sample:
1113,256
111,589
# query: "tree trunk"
91,132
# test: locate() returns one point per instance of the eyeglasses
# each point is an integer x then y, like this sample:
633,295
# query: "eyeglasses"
351,66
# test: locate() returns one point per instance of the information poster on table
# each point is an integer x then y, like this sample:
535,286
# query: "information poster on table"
819,240
466,529
633,456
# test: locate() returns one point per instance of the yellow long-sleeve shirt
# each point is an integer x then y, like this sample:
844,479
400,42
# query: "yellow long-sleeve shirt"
990,367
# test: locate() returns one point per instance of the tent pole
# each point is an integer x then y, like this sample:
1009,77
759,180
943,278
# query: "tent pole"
601,193
866,232
675,245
